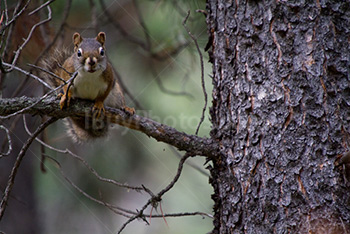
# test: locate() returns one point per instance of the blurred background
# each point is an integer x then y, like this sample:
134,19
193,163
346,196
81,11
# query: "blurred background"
159,68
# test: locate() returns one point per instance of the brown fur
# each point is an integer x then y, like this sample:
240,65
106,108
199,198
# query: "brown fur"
52,63
80,128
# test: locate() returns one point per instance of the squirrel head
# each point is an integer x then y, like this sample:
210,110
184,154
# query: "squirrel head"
90,53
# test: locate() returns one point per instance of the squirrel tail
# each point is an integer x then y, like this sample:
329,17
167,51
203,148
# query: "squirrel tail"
82,129
52,63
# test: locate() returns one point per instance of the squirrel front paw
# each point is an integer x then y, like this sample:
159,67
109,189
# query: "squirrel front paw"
98,109
129,110
64,102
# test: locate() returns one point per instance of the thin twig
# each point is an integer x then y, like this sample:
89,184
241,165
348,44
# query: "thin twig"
169,52
143,25
115,209
11,24
146,46
17,163
28,74
202,71
119,210
111,181
42,148
70,83
177,6
18,51
10,129
60,30
15,16
120,29
157,198
6,11
9,142
92,170
40,7
181,215
46,71
194,166
163,88
177,176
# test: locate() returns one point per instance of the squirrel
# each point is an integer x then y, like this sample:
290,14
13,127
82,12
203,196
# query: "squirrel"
95,81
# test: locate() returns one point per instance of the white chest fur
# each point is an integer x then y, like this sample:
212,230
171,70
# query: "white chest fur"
89,85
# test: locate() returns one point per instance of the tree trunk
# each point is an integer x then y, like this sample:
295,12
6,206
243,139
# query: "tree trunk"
280,111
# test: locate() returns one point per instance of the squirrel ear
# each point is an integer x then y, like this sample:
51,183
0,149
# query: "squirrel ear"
77,39
101,37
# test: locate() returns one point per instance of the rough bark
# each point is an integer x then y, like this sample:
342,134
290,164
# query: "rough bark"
280,112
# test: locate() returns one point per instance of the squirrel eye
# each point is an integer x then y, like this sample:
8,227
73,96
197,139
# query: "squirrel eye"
79,53
102,51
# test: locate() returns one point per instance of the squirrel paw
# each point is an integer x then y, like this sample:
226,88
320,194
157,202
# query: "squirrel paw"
129,110
98,109
64,102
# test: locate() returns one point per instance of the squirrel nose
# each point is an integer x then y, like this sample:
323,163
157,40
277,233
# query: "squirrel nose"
91,61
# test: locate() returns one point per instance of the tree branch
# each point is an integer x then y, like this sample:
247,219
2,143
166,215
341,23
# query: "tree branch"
9,142
50,106
18,161
154,200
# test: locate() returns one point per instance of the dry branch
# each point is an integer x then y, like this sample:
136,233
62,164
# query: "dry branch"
17,163
49,106
202,70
